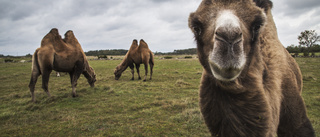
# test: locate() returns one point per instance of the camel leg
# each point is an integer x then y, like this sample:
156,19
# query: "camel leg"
58,74
73,83
146,71
45,81
295,123
32,84
132,71
138,71
151,70
74,76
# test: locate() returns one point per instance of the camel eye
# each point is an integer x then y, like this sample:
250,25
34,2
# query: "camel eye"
256,26
197,30
197,27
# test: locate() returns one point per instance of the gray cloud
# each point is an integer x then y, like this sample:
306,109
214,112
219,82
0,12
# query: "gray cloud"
295,16
113,24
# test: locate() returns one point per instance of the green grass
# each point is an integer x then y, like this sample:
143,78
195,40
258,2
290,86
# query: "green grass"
302,54
165,106
310,68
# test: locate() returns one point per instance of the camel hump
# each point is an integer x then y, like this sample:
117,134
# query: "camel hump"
70,38
134,44
69,34
51,37
135,41
143,44
54,31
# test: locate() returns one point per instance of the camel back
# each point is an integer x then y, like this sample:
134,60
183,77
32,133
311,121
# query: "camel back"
69,43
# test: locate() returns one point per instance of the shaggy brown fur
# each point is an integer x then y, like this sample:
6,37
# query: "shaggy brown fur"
62,55
136,55
250,85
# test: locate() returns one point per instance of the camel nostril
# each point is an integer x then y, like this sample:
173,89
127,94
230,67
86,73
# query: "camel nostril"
228,34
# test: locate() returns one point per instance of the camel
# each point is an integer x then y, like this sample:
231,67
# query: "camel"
250,85
61,55
136,55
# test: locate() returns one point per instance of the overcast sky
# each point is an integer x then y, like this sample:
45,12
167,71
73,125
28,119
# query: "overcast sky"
113,24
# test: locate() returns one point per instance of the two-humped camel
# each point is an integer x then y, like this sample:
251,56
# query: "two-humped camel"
62,55
137,54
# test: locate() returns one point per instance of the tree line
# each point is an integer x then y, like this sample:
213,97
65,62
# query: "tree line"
190,51
302,49
107,52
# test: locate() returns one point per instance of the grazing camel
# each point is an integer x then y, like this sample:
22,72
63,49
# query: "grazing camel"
250,85
62,55
136,55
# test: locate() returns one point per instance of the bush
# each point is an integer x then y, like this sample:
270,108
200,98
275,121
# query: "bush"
8,60
188,57
306,54
102,57
313,54
167,57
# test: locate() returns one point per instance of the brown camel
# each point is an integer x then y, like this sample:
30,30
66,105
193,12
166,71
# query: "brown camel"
62,55
136,55
250,86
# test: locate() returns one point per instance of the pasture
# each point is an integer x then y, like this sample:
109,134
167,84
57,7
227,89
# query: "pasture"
165,106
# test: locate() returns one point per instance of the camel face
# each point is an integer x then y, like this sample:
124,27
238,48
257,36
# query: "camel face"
225,34
92,79
227,58
117,73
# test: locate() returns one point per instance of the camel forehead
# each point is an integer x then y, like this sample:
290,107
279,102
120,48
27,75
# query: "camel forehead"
227,18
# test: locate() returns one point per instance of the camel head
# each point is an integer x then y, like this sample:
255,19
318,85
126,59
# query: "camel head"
226,33
120,68
91,76
117,72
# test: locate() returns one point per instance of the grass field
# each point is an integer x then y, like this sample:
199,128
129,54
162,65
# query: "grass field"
164,106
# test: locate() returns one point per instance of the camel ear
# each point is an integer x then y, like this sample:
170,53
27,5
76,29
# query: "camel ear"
264,4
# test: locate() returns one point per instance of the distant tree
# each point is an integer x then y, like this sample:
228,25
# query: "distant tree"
29,55
308,38
315,48
293,49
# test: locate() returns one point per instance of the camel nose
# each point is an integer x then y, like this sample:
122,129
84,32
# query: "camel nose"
228,28
228,35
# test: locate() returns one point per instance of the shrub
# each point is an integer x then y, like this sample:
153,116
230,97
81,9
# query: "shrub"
8,60
313,54
188,57
167,57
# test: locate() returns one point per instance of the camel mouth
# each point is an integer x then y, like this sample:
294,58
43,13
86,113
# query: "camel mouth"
226,67
225,74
